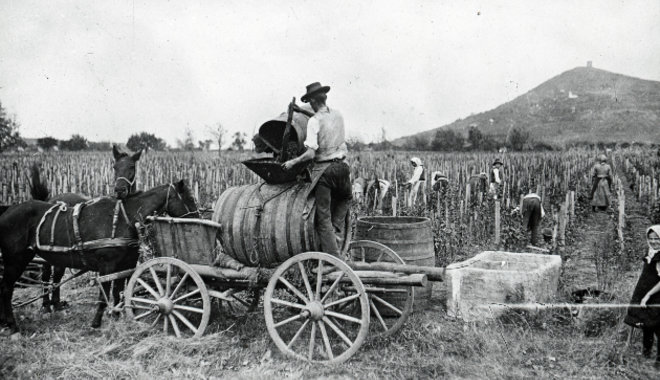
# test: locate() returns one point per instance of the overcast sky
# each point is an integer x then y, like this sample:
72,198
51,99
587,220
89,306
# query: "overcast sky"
107,69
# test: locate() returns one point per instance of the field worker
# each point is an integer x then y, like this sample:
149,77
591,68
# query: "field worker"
359,188
415,180
325,143
532,213
496,177
601,187
439,181
647,292
376,191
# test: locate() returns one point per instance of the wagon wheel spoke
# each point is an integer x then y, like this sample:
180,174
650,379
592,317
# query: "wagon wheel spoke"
176,288
389,305
303,273
185,321
168,279
364,256
294,289
143,307
312,342
157,281
187,295
148,288
337,330
319,278
287,303
147,313
175,327
375,311
166,322
332,287
343,316
155,322
189,308
288,320
342,300
326,340
144,300
298,333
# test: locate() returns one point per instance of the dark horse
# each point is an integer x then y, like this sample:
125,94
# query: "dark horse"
124,167
91,244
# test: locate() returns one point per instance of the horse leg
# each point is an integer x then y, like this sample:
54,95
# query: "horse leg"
117,289
58,273
15,264
105,289
45,279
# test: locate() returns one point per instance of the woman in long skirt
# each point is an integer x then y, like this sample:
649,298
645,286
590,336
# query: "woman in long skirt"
646,293
602,183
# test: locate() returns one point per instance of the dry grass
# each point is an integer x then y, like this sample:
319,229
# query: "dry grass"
517,346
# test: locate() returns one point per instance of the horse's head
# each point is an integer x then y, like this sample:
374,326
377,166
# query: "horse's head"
180,202
124,172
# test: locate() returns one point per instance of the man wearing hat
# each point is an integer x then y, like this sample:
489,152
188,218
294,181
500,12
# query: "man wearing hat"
496,177
325,143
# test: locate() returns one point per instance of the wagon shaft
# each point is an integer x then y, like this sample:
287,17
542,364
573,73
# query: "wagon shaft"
433,273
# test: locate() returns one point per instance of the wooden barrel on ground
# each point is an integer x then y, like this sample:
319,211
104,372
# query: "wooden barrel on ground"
410,237
264,225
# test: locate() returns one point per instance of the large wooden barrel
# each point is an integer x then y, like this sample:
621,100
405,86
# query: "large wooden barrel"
410,237
264,225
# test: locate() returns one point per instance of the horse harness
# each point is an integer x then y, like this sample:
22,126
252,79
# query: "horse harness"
79,244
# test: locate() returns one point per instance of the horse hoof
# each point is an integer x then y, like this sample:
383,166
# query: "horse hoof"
15,336
46,309
61,306
96,325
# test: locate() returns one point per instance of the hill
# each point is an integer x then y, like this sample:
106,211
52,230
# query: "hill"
584,104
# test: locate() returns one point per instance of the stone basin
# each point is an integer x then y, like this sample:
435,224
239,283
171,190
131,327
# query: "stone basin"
499,277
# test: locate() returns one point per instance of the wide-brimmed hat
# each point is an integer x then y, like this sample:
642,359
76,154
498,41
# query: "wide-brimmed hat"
313,89
602,158
498,161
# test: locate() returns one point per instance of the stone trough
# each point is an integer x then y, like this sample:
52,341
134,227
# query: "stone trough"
499,277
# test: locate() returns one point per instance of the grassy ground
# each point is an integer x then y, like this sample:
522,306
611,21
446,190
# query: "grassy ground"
551,345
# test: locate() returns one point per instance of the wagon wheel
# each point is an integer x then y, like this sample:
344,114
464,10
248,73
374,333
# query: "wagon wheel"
391,305
302,309
169,292
241,302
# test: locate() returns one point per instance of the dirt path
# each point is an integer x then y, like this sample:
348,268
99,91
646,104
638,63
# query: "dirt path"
595,241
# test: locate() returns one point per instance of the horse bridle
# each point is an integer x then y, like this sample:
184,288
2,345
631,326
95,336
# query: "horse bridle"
130,183
167,202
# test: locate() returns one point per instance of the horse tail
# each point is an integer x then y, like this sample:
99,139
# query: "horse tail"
38,189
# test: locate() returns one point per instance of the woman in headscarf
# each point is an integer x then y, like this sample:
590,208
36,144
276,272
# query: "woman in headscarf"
415,180
601,184
646,293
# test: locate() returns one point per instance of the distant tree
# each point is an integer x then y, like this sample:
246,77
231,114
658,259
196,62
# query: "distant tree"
205,144
355,144
47,143
9,135
218,133
239,141
188,141
100,146
76,142
517,138
475,138
447,140
144,140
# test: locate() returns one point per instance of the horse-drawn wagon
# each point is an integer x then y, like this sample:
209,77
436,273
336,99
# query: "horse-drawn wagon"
317,307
